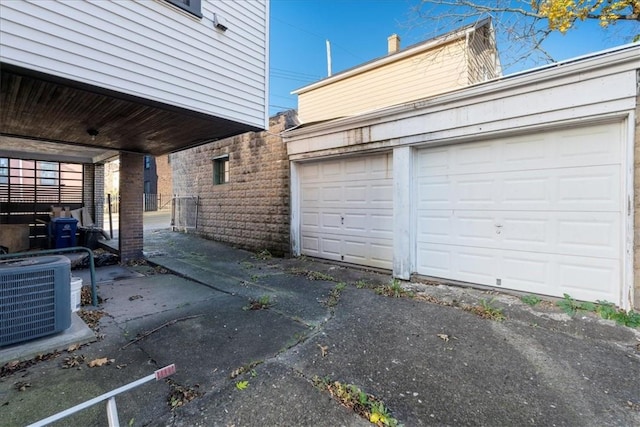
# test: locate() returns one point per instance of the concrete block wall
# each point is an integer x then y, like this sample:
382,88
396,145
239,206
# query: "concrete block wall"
252,210
131,220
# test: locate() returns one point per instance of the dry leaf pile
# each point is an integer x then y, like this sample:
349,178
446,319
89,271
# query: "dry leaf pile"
181,395
91,317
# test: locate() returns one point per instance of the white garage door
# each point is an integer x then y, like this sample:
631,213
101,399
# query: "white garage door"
540,213
347,210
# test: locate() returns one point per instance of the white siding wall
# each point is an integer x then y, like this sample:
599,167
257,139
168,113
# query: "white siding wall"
149,49
414,77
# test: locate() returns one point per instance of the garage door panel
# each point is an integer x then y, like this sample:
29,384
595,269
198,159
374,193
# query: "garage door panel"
310,220
589,235
570,189
474,265
593,188
589,146
475,190
523,271
435,261
474,228
435,227
353,203
540,213
597,279
310,244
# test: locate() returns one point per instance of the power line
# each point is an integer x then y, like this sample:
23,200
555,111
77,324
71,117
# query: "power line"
319,36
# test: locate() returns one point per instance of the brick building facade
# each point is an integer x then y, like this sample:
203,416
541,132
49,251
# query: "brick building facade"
241,185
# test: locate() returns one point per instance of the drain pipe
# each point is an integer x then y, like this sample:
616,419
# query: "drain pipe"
92,268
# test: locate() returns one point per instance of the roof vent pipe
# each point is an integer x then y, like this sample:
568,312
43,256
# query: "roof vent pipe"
393,43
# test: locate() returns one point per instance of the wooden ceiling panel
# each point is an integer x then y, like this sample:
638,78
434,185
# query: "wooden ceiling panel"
39,109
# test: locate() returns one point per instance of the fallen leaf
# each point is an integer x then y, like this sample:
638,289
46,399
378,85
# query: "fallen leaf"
100,362
443,337
134,297
323,349
73,348
241,385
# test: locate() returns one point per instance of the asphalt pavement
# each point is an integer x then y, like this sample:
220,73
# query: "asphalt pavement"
262,341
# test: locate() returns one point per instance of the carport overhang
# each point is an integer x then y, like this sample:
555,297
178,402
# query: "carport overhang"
50,118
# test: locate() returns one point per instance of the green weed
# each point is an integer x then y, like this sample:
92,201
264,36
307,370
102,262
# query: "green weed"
571,306
487,310
263,255
361,284
607,310
530,300
394,290
334,295
366,405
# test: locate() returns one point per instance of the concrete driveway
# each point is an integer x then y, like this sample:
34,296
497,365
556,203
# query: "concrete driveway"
430,359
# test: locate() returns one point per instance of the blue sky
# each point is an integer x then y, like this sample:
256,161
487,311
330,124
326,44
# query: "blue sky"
358,31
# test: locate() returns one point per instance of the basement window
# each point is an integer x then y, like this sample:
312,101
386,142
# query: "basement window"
191,6
221,170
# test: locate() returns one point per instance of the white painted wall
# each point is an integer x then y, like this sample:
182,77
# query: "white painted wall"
149,49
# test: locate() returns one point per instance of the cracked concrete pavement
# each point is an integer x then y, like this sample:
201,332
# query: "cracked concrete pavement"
432,364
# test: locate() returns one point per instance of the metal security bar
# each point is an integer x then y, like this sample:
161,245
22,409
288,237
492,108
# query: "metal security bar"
110,397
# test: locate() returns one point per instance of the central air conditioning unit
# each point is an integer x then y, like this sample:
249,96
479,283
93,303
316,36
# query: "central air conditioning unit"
35,298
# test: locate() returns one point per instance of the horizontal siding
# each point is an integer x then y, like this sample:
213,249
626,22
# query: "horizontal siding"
148,49
409,79
482,57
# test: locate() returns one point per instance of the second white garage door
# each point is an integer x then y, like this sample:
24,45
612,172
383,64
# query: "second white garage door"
540,213
347,210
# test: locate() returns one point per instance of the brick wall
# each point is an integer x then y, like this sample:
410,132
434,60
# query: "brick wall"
251,211
93,191
165,181
130,223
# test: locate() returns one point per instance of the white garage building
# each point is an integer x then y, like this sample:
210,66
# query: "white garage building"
526,182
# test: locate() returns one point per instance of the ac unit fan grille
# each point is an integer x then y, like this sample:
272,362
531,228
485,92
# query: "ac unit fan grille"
27,305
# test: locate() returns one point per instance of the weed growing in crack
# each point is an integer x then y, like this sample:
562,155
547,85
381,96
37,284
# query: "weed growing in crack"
311,275
334,295
394,290
487,310
263,255
246,368
605,309
571,306
361,284
366,405
531,300
262,303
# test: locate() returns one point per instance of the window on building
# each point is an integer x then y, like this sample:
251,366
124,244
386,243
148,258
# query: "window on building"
48,172
221,170
147,162
191,6
4,170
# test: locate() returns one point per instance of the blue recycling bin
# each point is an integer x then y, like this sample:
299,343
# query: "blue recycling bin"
63,232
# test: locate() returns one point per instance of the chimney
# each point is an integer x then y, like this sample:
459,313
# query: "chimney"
393,43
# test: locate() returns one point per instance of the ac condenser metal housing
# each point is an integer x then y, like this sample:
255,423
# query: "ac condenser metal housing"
35,298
